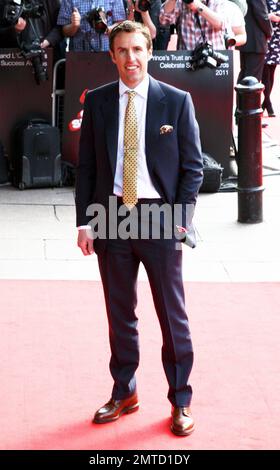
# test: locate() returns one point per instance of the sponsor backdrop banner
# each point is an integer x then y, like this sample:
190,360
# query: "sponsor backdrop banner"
211,90
20,96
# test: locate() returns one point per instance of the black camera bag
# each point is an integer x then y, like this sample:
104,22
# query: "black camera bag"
36,155
212,175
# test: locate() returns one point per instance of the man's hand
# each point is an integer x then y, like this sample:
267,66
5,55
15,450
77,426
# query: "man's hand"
194,5
274,17
21,24
216,19
132,7
85,242
72,28
137,7
130,10
45,44
76,18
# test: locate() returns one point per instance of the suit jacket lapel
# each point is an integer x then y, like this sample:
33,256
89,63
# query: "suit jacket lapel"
111,119
155,108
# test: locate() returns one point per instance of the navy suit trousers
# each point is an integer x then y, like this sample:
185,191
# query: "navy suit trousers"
162,259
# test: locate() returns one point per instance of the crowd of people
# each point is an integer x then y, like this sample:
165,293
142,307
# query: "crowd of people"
252,26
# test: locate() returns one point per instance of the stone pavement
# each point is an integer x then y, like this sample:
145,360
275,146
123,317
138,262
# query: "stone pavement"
38,235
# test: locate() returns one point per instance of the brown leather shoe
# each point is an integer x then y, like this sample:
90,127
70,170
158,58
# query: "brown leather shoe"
115,408
182,423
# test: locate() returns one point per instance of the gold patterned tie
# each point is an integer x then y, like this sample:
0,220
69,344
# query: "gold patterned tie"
130,153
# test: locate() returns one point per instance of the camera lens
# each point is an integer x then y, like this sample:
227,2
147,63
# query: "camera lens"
144,5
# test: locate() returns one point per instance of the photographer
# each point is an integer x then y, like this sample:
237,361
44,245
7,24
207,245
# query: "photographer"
147,12
195,19
163,34
75,17
43,28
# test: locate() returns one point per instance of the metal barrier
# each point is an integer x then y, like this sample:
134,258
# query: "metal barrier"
58,97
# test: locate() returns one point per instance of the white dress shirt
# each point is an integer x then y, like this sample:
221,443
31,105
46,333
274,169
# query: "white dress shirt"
145,187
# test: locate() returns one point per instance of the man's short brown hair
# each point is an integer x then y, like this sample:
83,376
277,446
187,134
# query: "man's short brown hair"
130,27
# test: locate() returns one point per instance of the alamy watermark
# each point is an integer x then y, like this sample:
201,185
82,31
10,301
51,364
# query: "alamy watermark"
151,220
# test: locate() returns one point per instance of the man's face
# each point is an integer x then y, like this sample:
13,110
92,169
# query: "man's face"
131,57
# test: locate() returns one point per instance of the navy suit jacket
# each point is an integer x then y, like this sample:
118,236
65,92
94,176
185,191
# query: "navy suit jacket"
174,159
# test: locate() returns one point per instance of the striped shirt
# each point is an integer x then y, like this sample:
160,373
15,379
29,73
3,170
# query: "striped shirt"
86,39
189,32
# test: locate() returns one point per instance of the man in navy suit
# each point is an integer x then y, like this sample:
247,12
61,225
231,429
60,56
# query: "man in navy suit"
169,174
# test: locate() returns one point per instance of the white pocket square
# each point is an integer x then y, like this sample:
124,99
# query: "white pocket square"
166,129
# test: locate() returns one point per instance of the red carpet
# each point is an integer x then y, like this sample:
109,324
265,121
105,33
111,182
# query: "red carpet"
54,351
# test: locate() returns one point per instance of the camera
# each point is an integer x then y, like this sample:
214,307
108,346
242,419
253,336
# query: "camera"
97,19
33,51
204,55
10,12
143,5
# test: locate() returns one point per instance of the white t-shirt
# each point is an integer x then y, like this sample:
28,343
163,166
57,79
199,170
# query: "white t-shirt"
234,16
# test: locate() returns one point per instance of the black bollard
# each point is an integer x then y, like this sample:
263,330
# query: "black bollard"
250,184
